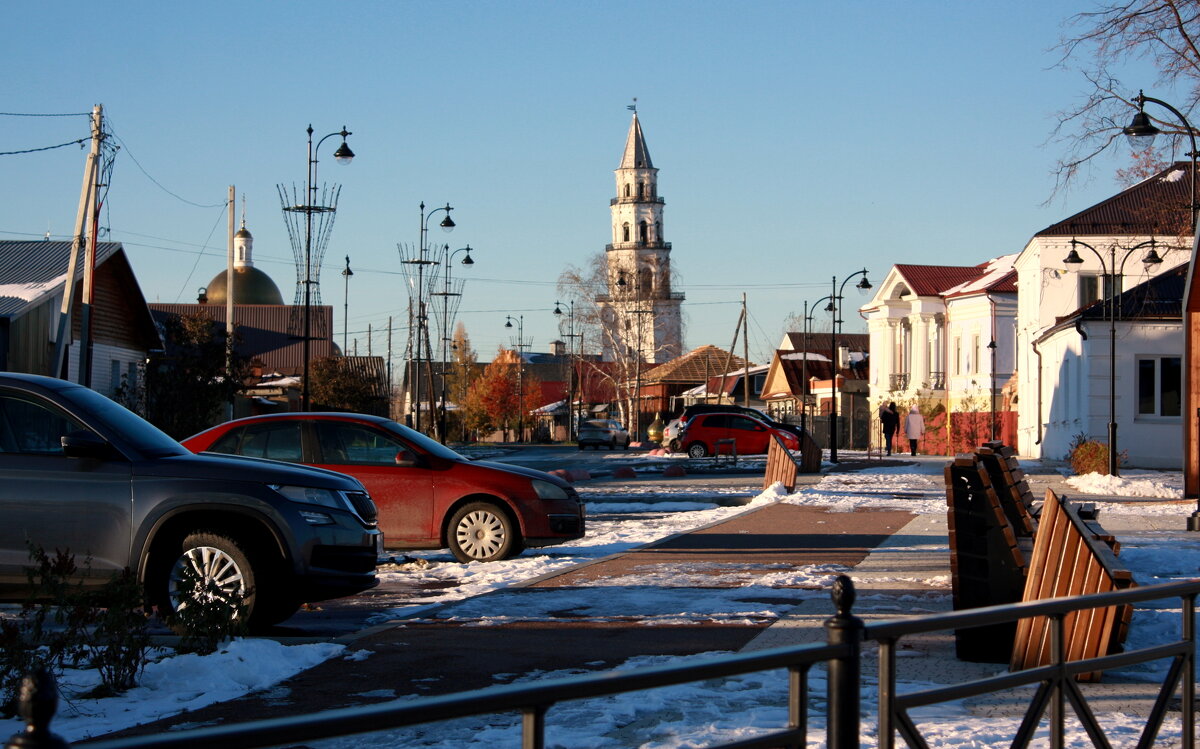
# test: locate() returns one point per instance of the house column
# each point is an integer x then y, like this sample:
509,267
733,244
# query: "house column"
919,345
891,362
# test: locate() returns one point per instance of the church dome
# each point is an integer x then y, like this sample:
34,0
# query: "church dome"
250,286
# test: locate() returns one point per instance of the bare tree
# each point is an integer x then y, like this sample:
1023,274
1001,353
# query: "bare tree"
590,290
1098,44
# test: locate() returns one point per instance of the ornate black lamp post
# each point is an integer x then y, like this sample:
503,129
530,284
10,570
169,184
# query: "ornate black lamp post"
570,334
422,321
1111,274
520,346
804,393
835,308
343,155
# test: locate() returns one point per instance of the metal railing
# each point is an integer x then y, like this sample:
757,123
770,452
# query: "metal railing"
842,654
898,381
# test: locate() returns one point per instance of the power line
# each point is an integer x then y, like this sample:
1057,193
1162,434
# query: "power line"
158,184
35,114
79,142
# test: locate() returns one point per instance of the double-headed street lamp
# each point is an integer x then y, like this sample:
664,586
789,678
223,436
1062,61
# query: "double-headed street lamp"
520,346
1141,132
446,294
1111,273
421,319
835,308
570,313
343,155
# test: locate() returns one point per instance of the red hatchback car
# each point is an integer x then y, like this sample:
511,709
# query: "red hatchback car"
751,436
429,497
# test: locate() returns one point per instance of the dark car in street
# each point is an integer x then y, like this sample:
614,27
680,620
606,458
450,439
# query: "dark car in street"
81,474
700,435
429,496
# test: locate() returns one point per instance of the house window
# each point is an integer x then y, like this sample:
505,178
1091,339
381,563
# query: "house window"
1159,384
975,352
958,363
1089,288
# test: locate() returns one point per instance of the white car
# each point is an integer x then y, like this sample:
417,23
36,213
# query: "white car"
606,432
670,439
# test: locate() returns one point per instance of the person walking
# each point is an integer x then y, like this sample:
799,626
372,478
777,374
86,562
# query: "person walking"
914,427
890,418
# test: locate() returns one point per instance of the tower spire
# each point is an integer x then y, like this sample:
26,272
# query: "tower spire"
636,155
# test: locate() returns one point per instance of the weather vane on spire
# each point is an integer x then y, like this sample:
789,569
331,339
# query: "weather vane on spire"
632,107
243,210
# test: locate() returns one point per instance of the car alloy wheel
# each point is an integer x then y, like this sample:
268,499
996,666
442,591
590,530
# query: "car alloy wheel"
697,450
482,532
211,569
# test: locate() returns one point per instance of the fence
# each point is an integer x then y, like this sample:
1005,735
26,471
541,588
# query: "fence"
841,654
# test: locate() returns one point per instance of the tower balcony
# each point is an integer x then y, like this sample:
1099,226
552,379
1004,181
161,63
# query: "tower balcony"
637,246
631,298
635,199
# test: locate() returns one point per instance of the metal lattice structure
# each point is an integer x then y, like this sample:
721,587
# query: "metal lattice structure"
297,212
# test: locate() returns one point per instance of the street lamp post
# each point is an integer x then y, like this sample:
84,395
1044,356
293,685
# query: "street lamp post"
1112,274
804,393
343,155
520,346
1142,129
835,308
445,294
421,320
570,363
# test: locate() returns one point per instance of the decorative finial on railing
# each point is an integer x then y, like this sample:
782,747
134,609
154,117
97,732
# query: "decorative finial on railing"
843,594
36,703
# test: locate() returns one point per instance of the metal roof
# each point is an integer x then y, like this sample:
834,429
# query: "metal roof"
1156,205
32,270
636,155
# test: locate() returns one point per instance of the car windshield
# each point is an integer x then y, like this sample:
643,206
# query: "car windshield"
141,434
431,446
596,425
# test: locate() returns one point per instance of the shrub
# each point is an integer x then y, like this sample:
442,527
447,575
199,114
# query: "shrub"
62,625
1090,456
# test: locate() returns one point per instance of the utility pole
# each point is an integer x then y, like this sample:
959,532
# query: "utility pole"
745,355
83,221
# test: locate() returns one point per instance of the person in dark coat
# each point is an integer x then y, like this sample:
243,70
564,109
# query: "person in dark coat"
890,419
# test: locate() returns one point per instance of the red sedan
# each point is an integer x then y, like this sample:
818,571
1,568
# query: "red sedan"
699,436
429,496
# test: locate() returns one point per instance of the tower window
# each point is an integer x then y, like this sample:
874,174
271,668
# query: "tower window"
625,231
627,189
642,231
641,189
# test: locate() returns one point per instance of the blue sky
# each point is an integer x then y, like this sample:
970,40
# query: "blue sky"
796,141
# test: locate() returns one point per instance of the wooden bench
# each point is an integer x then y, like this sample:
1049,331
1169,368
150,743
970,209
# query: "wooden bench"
1072,556
1004,548
782,465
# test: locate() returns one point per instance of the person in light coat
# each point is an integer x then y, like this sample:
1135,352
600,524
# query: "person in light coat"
914,427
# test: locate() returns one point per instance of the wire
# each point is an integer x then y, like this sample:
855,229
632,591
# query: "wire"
158,184
46,148
199,255
30,114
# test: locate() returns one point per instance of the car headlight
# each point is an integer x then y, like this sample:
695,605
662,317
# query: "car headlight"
546,490
309,495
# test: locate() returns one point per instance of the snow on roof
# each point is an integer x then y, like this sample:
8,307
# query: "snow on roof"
801,355
994,273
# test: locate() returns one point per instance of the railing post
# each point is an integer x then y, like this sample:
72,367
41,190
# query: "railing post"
533,727
1189,673
843,628
36,704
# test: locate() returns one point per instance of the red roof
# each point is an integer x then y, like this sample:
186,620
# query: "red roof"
932,280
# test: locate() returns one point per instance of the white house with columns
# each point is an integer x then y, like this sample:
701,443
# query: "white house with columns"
1064,357
943,335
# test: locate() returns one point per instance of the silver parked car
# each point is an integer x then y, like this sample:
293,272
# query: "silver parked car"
597,432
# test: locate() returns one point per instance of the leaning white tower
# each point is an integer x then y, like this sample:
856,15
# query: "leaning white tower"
641,312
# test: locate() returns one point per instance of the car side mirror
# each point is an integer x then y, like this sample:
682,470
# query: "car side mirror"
85,444
407,459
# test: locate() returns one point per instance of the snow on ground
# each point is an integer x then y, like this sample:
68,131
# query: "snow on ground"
1132,483
680,716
